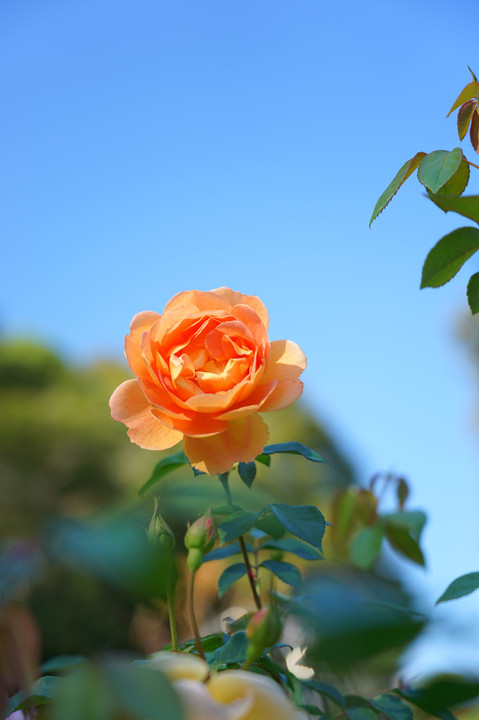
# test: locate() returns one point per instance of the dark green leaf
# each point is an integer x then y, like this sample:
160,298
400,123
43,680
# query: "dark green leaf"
229,576
43,691
464,118
237,524
293,448
448,256
234,651
303,521
401,177
439,167
402,541
473,293
287,572
247,472
265,459
226,551
292,545
142,691
411,520
326,690
366,546
270,525
441,694
61,662
312,710
469,92
164,467
361,713
468,205
393,707
402,492
463,585
84,694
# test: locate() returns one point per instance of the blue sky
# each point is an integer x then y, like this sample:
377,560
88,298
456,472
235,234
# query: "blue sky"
152,147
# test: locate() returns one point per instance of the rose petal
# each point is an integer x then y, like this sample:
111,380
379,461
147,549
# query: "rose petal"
236,298
269,701
252,404
196,425
180,666
286,361
200,299
285,393
241,442
129,405
199,705
141,323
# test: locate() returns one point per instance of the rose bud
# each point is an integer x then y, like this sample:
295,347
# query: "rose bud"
159,531
199,539
263,630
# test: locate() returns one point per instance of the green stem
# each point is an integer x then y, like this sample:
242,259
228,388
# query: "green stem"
173,625
194,624
249,570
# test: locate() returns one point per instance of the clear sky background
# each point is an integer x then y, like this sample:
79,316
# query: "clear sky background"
150,147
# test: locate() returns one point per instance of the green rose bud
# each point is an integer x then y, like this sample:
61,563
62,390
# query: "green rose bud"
200,539
159,531
263,630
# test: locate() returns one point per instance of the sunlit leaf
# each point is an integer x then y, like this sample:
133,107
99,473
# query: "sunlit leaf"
411,520
458,183
303,521
461,586
464,118
286,572
473,76
230,576
467,205
469,92
439,167
473,293
401,177
164,467
366,546
293,448
448,256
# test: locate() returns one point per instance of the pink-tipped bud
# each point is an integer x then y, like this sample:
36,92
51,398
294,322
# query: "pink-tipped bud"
200,539
263,631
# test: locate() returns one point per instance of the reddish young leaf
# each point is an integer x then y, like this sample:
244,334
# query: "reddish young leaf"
464,118
474,132
469,92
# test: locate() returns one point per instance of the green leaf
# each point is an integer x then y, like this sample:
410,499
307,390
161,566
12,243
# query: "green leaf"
247,472
164,467
461,586
303,521
458,183
61,662
293,448
469,92
226,551
411,520
296,547
230,576
393,707
326,690
402,541
439,167
264,459
234,651
473,76
464,118
468,205
237,524
43,691
361,713
366,546
270,525
448,256
84,693
286,572
401,177
142,691
441,694
473,293
402,492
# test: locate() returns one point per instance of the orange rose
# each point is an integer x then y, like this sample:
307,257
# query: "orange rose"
204,369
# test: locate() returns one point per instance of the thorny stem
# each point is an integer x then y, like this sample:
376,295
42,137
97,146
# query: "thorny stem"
194,624
249,570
